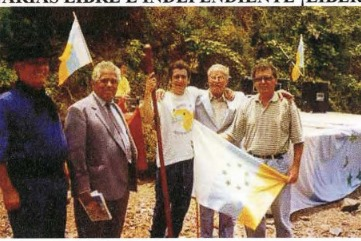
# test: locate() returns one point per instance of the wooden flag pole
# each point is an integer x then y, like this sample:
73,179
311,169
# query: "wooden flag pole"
148,67
197,217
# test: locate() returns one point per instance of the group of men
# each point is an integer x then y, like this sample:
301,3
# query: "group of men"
263,126
96,152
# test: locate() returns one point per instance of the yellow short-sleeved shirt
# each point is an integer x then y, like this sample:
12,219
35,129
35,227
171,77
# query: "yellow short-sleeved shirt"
123,87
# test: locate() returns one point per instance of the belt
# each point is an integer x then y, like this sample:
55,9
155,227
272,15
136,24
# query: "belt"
276,156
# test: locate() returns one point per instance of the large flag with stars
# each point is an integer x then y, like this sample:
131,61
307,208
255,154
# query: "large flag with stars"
76,53
230,181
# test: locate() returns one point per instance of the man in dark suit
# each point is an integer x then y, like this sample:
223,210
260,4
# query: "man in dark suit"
102,154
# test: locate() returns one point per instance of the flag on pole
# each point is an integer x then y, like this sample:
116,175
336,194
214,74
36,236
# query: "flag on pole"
300,62
76,53
230,181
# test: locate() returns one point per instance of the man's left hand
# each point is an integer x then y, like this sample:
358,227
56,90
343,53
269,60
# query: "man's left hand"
229,94
285,94
293,175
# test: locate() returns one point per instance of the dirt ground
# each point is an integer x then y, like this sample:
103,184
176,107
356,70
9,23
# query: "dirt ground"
322,221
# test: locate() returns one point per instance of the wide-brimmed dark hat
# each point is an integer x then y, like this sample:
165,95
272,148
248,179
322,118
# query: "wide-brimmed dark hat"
33,51
26,33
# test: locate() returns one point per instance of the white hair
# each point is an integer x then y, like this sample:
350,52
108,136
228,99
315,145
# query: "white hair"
105,65
219,67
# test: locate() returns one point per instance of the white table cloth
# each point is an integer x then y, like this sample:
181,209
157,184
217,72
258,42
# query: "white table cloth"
331,160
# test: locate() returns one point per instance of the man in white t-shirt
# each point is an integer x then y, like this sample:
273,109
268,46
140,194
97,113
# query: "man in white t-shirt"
176,112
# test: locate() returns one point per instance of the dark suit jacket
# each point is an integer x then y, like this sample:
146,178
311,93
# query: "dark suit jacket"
96,156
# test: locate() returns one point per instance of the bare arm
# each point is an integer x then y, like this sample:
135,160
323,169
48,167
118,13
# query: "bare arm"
295,168
148,113
10,194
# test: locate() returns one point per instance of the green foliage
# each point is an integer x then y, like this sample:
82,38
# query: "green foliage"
203,36
7,75
26,33
210,52
236,37
132,55
75,88
345,94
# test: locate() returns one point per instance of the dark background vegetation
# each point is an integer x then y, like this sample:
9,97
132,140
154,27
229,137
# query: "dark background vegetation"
236,37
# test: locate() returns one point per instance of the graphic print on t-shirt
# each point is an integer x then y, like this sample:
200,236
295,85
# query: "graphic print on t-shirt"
183,118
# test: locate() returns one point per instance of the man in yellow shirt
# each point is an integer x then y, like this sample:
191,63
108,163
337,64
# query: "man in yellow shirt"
123,86
123,89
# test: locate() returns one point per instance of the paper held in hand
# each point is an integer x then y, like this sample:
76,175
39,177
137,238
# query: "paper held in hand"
101,211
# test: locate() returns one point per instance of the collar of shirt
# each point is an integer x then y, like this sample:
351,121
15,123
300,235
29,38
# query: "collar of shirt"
42,102
275,98
220,99
101,101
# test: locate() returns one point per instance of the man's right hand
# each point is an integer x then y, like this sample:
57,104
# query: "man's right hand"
160,93
11,199
85,197
151,83
90,204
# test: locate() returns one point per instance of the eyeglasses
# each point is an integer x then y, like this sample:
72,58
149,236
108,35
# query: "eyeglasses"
105,81
217,77
265,78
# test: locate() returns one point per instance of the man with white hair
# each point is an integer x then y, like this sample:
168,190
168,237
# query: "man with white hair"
102,154
217,113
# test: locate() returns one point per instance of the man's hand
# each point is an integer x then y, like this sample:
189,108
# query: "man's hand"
11,199
226,137
10,194
293,174
160,93
147,110
90,204
85,197
229,94
285,94
295,168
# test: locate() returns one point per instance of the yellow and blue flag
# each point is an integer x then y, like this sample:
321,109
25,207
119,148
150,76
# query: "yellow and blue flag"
300,61
230,181
76,53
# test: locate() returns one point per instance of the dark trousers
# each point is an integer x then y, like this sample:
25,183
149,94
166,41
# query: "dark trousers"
102,229
42,212
180,184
